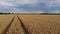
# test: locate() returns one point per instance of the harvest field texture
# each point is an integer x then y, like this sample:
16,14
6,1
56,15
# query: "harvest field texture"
29,24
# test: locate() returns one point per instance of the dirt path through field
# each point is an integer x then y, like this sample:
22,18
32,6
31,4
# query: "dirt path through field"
15,27
4,22
23,26
9,25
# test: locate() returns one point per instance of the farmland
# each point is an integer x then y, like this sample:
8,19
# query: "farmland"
29,24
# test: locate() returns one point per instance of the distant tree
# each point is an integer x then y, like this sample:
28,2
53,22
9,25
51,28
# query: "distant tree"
1,13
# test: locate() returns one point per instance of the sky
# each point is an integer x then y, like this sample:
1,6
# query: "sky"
30,6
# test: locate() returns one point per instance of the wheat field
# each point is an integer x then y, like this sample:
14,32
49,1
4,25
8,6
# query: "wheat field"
42,24
29,24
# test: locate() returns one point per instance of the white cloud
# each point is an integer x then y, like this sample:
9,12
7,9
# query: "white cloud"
27,1
5,4
56,11
18,11
31,2
57,1
38,11
23,11
51,3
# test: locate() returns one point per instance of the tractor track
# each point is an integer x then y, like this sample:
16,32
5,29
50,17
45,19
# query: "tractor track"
9,25
23,26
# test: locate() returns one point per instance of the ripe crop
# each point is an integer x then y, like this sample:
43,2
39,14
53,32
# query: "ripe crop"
42,24
29,24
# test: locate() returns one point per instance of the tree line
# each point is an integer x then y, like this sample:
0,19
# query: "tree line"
5,13
33,13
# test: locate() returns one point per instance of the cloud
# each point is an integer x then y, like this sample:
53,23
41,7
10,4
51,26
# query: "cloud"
27,1
18,11
56,11
58,1
38,11
23,11
30,6
32,2
5,4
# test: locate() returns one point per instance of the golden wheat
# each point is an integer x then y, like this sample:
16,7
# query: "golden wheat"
34,24
42,24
